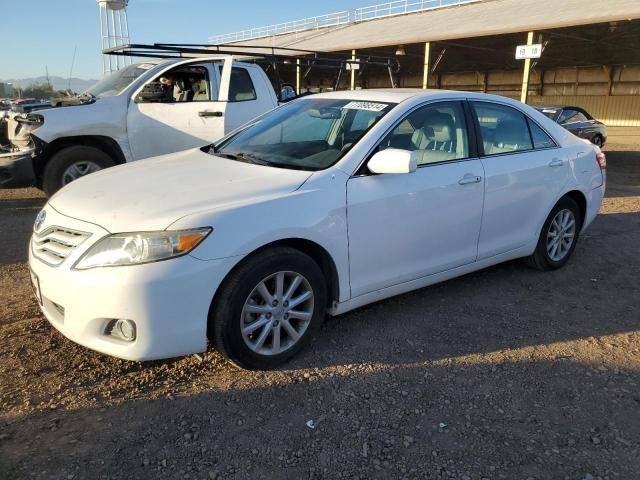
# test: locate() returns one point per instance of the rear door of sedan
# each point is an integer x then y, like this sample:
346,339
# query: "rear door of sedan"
406,226
525,171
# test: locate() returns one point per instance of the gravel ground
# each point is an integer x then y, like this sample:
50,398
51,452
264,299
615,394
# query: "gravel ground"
507,373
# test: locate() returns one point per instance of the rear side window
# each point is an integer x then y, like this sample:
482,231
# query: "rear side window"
503,129
241,87
540,138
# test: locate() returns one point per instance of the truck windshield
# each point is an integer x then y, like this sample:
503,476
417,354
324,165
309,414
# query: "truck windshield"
306,134
115,82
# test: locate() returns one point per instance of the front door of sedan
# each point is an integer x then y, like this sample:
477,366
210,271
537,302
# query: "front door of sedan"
406,226
525,172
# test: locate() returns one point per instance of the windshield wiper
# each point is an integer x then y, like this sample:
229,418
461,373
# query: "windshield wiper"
240,156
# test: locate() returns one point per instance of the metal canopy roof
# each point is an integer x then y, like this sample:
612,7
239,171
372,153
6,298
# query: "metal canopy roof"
489,17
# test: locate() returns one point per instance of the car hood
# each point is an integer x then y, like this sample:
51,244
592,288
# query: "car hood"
152,194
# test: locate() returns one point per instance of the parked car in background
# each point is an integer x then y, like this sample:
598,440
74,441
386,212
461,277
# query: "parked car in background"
577,121
325,204
145,109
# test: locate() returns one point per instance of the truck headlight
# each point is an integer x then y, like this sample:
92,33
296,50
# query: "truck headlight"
141,247
29,122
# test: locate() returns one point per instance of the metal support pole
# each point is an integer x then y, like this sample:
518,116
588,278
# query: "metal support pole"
297,76
425,74
353,72
525,75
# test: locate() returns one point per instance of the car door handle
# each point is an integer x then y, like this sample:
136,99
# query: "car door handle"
206,113
556,162
467,179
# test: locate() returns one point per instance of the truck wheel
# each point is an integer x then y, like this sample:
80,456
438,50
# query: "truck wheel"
71,163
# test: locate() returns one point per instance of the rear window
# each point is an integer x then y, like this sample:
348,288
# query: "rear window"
241,87
504,129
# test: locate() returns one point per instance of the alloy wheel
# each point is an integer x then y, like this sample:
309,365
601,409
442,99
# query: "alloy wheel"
561,235
77,170
277,313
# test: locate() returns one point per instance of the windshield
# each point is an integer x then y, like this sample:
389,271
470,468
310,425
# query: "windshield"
306,134
115,82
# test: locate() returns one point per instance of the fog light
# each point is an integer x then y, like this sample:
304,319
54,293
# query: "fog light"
122,329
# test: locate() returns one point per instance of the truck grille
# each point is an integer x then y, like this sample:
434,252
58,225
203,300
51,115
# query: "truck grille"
55,244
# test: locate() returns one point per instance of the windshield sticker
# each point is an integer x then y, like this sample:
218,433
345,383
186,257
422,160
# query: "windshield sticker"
146,66
370,106
547,110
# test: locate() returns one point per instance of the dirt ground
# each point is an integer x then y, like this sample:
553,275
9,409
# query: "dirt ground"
507,373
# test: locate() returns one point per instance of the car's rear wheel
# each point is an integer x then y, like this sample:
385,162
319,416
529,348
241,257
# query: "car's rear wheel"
558,237
268,308
71,163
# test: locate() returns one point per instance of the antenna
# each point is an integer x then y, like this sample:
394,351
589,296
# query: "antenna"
114,32
46,69
73,60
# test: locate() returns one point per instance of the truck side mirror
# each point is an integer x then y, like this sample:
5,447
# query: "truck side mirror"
287,93
151,92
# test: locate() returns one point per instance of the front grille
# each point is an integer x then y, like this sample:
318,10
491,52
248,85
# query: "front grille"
54,244
59,308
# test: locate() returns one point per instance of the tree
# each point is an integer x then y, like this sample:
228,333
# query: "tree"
41,90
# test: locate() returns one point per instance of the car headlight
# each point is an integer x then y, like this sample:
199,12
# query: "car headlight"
141,247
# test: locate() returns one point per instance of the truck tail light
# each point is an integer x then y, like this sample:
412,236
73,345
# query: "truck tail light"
601,158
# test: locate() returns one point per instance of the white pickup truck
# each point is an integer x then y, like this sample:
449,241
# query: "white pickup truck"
143,110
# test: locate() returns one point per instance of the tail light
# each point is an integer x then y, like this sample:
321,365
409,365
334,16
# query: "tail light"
601,158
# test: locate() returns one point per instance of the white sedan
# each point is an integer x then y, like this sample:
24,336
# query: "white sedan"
323,205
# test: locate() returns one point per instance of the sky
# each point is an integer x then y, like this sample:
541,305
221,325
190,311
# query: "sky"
47,32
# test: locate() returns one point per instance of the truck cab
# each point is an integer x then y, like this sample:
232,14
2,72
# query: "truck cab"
144,110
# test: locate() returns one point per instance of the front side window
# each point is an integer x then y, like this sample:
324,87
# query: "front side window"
503,129
185,84
306,134
436,132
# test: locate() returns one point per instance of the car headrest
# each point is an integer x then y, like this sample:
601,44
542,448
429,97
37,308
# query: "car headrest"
508,131
442,126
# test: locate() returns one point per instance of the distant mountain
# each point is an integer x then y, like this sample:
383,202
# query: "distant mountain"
58,83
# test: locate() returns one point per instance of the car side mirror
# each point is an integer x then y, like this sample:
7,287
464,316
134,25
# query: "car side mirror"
151,92
287,93
393,160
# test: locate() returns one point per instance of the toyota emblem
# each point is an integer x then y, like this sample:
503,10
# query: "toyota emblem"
42,215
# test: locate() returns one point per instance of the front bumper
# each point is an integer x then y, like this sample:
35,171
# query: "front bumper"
16,169
168,301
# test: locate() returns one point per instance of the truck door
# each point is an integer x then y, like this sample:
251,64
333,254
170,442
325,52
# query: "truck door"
191,115
250,95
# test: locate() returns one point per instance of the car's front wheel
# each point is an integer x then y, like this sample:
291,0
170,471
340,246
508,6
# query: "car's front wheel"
268,308
558,237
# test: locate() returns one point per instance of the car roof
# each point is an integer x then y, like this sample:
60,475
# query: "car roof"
398,95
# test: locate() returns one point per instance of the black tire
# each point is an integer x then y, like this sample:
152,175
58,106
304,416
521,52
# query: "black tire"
541,259
597,140
54,172
225,316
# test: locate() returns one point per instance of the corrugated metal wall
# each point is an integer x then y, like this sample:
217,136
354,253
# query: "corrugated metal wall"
614,111
612,96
